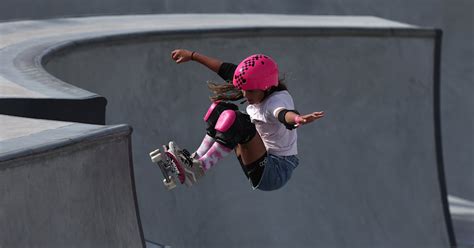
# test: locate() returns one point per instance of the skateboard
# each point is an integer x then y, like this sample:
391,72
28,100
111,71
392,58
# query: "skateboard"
170,167
177,166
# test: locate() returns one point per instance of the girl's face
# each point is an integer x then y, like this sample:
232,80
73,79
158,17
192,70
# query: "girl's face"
253,96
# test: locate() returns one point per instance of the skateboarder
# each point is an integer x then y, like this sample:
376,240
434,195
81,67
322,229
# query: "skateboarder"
264,139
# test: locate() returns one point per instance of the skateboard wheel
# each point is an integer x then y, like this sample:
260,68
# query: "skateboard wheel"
154,153
156,157
169,185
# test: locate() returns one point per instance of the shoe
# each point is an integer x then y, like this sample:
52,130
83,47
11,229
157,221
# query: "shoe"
192,166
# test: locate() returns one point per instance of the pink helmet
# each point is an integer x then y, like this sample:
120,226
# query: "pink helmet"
257,72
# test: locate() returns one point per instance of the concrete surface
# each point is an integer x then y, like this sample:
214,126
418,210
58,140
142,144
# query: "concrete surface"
25,127
369,84
457,101
402,10
454,17
67,185
331,200
462,213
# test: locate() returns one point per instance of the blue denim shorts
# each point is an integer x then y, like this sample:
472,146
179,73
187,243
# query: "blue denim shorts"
277,172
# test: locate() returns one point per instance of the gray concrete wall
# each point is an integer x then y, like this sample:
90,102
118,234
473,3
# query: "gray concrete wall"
368,175
60,187
455,17
418,12
456,96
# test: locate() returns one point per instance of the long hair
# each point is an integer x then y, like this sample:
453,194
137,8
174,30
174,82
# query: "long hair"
227,91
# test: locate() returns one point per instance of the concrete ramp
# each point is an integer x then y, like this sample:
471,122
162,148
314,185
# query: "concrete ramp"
67,185
371,172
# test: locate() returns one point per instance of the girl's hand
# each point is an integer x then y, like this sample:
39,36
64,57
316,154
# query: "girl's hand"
181,55
305,119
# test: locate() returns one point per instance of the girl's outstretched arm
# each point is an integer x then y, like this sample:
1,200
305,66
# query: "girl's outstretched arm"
304,119
296,120
183,55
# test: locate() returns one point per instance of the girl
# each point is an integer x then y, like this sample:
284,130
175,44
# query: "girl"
265,139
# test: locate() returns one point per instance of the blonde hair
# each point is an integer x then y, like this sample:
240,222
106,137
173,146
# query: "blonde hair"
224,91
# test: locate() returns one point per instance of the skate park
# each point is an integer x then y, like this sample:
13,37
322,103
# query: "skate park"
366,181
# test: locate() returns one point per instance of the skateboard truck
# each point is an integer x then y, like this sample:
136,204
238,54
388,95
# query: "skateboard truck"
176,165
169,171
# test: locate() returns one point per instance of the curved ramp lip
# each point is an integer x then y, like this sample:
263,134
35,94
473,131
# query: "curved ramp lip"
30,54
45,55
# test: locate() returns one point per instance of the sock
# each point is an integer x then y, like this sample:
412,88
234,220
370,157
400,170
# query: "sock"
215,153
205,145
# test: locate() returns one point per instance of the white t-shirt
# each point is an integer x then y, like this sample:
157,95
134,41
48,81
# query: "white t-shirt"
277,138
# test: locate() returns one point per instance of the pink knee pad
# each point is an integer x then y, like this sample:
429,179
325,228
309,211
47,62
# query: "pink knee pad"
216,109
209,111
234,127
213,113
225,121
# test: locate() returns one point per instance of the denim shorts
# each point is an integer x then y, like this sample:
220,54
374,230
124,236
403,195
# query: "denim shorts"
277,172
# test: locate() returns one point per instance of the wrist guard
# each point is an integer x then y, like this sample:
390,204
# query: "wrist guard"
282,119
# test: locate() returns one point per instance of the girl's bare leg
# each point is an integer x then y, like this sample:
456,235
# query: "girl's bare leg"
252,150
